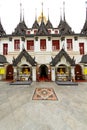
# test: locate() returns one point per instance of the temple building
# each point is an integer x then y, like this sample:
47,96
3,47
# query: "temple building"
42,52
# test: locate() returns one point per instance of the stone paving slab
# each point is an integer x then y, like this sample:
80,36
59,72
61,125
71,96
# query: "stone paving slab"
19,112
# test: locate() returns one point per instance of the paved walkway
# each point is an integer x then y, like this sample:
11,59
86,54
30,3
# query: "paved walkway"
19,112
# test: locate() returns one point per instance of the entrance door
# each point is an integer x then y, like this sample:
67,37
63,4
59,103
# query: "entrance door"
78,72
5,49
43,73
9,72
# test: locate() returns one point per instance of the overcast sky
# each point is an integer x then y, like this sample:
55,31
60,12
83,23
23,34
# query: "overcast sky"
75,12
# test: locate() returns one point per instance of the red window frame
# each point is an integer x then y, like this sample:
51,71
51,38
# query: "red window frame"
5,49
43,44
35,31
69,44
27,32
17,44
81,48
56,31
30,45
49,31
55,45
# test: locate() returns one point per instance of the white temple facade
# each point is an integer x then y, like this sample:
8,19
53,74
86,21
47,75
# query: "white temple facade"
42,52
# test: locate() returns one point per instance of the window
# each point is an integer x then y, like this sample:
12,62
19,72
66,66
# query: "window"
35,31
81,48
43,44
27,32
30,45
69,44
17,44
5,49
55,45
49,31
56,31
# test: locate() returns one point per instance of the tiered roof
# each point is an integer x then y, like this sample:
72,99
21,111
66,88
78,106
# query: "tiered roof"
64,28
49,24
42,29
84,29
20,29
35,25
2,32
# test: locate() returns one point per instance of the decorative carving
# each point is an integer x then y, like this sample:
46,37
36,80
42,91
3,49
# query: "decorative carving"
49,38
22,38
10,38
62,38
36,38
75,38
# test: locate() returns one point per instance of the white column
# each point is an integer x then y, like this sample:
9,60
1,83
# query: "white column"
37,45
75,45
63,44
10,46
73,72
22,45
48,45
53,73
15,73
34,73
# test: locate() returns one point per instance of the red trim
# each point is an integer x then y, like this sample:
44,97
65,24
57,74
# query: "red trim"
69,44
81,48
55,45
30,44
5,49
43,44
17,44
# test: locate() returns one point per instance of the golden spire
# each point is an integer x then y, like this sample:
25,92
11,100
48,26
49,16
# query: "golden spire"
42,17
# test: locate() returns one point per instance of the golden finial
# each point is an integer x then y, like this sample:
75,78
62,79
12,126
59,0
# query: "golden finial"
42,17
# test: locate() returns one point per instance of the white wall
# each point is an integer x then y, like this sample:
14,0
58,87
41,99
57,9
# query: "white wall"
43,56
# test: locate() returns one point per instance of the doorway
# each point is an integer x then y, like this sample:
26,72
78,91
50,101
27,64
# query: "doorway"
43,69
9,72
78,72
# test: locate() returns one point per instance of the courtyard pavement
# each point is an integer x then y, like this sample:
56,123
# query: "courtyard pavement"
19,112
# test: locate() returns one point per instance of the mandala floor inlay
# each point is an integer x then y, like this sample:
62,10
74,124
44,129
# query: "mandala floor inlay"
44,94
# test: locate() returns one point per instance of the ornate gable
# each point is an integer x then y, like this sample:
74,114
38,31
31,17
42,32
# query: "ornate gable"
25,54
58,57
